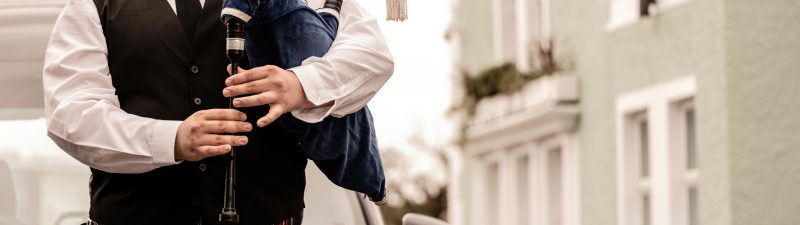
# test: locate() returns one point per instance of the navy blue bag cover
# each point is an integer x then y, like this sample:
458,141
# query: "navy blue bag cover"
284,33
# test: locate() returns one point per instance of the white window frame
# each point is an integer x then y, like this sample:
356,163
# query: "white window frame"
638,184
506,133
516,154
537,170
520,21
481,191
538,38
683,177
524,39
657,102
623,13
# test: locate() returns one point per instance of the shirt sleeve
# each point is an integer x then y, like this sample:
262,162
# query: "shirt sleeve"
353,70
83,113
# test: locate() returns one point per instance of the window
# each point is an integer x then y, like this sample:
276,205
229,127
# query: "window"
521,31
691,157
643,147
555,181
508,25
645,6
637,150
531,184
523,189
657,155
493,191
554,186
625,12
684,164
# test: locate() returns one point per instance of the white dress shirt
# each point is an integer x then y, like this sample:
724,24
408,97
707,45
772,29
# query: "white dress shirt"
83,113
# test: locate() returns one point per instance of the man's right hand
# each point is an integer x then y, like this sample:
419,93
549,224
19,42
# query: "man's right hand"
206,133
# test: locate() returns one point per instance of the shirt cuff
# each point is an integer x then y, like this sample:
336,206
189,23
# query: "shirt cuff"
162,142
312,115
305,75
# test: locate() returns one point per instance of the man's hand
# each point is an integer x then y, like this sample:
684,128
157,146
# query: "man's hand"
270,85
203,134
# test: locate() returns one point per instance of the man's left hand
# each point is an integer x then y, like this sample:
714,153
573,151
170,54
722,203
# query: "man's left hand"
270,85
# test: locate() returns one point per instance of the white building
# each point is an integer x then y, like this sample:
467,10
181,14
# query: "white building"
668,112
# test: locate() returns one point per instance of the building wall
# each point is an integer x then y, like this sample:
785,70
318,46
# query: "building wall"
744,56
763,49
473,20
580,44
679,42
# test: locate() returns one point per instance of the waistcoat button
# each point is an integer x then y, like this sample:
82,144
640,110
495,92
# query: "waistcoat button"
202,167
198,101
195,69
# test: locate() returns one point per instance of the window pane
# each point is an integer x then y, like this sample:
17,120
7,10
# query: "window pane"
692,214
644,7
644,147
536,20
522,190
646,209
509,24
691,152
493,193
554,178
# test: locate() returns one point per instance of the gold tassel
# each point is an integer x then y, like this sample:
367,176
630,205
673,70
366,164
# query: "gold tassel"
396,10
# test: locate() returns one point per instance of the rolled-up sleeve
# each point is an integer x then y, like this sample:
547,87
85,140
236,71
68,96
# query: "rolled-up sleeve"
351,73
83,113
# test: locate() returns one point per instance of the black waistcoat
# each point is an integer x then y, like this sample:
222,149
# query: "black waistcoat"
158,74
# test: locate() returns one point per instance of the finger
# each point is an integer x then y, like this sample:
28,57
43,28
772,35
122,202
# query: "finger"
252,87
222,114
239,70
263,98
275,111
225,127
245,76
208,151
217,139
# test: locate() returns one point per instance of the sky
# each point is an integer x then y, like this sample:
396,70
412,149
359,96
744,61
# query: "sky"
416,98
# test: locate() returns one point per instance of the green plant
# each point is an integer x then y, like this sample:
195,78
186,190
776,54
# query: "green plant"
504,79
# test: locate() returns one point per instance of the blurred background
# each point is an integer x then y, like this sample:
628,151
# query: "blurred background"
596,112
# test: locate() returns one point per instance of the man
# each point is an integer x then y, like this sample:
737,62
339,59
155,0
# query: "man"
135,93
344,149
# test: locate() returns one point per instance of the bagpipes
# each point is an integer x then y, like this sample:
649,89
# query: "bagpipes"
345,149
